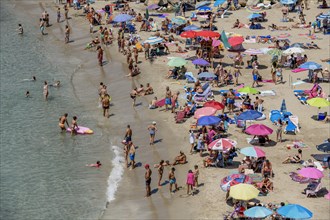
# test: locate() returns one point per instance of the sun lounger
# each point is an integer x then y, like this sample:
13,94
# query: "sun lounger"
190,77
292,125
274,115
200,97
313,192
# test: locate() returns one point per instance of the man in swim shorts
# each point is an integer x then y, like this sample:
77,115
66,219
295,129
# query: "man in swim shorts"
168,96
106,105
147,177
74,125
62,122
128,134
172,180
132,155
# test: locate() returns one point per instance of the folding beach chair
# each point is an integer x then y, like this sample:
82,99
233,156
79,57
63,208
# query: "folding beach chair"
290,127
190,77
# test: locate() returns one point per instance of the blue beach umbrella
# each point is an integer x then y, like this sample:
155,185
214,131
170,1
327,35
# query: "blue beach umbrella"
310,66
208,120
283,106
288,2
324,16
258,212
294,211
200,62
178,20
325,147
122,18
254,15
204,9
201,4
249,115
218,2
191,28
206,75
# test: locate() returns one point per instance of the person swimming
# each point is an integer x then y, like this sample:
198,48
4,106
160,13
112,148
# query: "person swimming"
97,164
27,94
33,79
56,84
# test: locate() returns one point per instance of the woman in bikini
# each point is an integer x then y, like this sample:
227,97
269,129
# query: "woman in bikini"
294,159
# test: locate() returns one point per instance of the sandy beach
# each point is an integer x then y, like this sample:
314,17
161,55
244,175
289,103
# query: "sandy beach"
209,202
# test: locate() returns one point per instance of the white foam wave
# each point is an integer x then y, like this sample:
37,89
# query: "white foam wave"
116,173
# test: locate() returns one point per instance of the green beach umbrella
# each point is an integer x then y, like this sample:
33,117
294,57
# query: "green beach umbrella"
318,102
177,62
179,20
275,52
248,90
147,13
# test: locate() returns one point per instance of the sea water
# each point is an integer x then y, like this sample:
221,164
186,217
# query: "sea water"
42,171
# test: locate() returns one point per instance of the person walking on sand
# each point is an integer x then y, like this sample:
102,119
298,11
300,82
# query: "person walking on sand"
190,182
191,141
66,12
160,170
62,121
196,174
175,101
152,131
136,54
168,96
106,105
133,95
42,26
74,125
100,55
132,155
172,180
67,34
46,92
128,134
147,177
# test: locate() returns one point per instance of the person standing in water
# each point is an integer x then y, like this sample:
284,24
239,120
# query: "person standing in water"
147,177
42,26
100,55
128,134
45,92
62,121
132,155
74,125
152,131
20,29
67,34
160,172
106,105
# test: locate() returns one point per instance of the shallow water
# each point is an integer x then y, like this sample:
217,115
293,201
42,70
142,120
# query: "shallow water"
43,173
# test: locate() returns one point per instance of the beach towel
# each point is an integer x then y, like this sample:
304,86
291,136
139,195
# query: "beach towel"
298,83
250,41
160,103
267,81
267,93
298,70
298,178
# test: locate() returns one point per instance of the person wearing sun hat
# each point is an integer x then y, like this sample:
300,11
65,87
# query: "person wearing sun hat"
152,131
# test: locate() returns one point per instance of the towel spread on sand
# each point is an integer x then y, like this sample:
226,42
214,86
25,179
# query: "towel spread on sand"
298,70
298,83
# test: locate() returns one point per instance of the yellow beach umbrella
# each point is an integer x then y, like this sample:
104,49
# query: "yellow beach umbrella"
318,102
243,192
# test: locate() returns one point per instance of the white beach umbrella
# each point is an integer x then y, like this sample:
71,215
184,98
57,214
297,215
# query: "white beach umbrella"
293,50
154,40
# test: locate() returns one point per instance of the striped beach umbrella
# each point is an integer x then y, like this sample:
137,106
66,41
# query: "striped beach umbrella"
154,40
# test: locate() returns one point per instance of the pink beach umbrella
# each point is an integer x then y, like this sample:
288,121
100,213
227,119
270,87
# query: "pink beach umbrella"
327,196
311,172
259,129
222,144
205,111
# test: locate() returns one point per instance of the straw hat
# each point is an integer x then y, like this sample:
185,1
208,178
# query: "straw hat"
153,122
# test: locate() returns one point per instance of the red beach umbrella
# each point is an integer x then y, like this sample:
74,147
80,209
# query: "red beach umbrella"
210,34
214,104
188,34
236,40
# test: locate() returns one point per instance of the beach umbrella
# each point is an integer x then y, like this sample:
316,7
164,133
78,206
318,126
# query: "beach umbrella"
214,104
177,62
311,172
210,34
205,111
122,18
325,147
223,144
294,211
254,51
283,106
206,75
153,40
208,120
327,196
318,102
248,90
249,115
254,15
188,34
147,13
298,178
310,66
254,9
234,41
275,52
200,62
258,212
153,6
324,16
293,50
218,2
253,152
204,9
179,20
259,129
191,28
243,192
233,180
300,45
288,2
201,4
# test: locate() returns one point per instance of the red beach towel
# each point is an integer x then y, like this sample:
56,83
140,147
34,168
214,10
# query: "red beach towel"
160,103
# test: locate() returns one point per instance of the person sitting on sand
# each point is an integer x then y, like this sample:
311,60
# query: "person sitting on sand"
245,164
267,183
180,159
236,24
97,164
93,43
149,90
179,49
136,70
141,91
152,104
210,159
294,159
